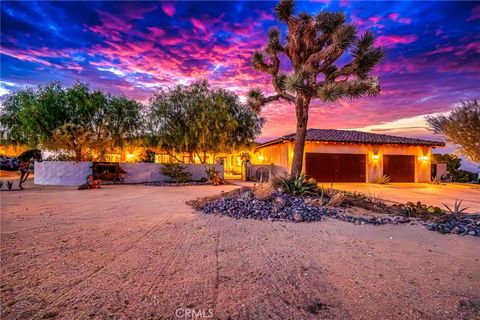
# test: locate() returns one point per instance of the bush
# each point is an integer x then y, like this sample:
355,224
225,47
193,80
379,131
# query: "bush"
61,157
213,175
299,185
383,179
418,209
176,172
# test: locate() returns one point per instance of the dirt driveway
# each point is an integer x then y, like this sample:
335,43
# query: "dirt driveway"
138,252
427,193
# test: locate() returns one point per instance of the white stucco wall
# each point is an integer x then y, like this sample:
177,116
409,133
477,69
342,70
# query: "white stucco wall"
70,173
62,173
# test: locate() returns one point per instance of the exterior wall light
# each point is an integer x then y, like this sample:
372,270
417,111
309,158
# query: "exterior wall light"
260,158
424,158
376,157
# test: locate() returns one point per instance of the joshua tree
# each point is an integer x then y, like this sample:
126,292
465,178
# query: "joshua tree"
313,46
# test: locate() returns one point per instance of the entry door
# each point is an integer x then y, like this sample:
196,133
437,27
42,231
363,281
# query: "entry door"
336,167
399,168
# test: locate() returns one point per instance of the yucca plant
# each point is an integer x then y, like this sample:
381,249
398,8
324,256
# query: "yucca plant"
383,179
299,185
456,209
317,48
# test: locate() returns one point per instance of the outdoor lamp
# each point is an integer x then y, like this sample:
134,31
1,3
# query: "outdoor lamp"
376,156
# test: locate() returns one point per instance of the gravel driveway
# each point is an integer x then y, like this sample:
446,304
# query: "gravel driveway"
139,252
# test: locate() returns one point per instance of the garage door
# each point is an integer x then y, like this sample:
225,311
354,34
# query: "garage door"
399,168
336,167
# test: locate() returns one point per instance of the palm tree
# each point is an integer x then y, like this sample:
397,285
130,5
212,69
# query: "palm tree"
313,46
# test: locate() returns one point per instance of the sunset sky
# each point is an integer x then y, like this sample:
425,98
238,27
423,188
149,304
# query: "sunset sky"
432,53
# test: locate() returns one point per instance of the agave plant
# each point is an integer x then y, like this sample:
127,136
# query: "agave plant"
456,209
299,185
383,179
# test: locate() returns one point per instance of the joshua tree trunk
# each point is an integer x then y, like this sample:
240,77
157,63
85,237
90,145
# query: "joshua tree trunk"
301,106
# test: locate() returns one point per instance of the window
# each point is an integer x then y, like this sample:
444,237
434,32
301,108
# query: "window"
162,158
112,157
239,161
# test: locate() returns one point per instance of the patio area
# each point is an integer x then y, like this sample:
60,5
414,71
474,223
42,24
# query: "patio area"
429,194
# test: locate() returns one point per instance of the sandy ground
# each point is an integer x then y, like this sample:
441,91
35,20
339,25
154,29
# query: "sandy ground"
138,252
434,195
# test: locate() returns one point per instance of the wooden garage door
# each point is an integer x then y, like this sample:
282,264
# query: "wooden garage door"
336,167
399,168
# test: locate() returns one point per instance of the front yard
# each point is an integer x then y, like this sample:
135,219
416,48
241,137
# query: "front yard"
141,252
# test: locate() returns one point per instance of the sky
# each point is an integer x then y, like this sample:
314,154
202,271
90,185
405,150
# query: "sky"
432,54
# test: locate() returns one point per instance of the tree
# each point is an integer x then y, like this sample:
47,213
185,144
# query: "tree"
74,119
314,45
197,119
461,127
452,161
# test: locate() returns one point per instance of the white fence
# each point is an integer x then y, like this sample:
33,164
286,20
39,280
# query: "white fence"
71,173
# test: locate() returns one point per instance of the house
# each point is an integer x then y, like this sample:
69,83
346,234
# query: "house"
354,156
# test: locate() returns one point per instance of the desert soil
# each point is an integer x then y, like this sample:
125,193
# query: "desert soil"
139,252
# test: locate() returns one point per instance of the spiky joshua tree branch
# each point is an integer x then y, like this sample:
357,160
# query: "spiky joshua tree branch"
314,45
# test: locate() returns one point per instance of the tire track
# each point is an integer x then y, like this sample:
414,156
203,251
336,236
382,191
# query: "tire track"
57,297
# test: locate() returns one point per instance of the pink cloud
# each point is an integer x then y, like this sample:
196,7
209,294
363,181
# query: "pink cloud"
396,17
391,41
405,20
441,50
198,24
475,14
375,19
266,16
168,9
393,16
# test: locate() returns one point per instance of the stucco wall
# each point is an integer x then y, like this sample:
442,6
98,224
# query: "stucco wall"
273,169
276,154
61,173
374,167
70,173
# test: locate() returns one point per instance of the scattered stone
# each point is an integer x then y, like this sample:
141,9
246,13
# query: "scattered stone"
281,206
456,224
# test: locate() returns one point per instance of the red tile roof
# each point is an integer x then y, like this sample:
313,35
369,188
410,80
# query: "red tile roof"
351,136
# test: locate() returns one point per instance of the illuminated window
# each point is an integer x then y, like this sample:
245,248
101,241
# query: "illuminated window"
239,161
112,157
162,158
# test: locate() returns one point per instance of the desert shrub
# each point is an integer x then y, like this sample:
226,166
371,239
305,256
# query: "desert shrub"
176,172
383,179
213,175
148,156
263,191
61,157
456,208
418,209
337,199
299,185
